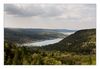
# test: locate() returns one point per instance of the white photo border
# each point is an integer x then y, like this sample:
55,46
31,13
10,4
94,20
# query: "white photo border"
2,66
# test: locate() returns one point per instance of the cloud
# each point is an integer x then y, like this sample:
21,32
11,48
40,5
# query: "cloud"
51,10
50,15
32,10
21,10
72,16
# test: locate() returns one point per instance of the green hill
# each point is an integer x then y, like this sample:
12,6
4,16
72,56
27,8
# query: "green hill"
82,41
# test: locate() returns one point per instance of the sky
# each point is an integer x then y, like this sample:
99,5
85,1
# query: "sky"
50,16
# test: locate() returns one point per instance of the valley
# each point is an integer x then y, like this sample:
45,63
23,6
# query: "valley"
78,48
19,35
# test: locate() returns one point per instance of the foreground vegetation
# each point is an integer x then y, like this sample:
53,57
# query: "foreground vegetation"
14,55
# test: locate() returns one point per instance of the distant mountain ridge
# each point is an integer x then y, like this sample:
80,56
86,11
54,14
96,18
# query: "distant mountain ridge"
21,35
40,29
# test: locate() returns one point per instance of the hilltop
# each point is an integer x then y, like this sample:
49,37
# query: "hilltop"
81,41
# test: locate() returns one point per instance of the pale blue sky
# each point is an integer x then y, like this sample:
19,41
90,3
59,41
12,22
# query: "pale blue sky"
60,16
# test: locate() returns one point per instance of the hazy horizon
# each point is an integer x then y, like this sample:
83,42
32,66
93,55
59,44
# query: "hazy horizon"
50,28
50,16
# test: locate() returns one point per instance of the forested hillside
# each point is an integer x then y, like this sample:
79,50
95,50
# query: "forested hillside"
19,35
76,49
83,41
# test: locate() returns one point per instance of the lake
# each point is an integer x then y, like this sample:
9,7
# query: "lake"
46,42
42,43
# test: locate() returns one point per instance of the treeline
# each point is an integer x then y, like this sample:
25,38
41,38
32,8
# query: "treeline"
15,55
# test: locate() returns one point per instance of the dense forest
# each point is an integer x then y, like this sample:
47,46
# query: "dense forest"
76,49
